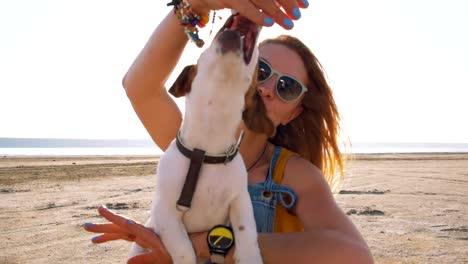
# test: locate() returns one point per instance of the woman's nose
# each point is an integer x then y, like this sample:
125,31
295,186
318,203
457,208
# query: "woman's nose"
267,88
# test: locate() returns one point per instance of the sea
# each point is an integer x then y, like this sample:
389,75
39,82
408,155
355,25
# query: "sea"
100,147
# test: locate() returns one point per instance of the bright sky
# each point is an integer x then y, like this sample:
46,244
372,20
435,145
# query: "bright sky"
399,68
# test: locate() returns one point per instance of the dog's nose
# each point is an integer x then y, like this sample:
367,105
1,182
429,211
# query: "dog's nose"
229,41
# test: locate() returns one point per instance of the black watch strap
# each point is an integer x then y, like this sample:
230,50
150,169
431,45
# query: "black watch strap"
217,258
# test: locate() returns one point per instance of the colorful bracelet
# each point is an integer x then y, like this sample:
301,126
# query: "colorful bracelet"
190,20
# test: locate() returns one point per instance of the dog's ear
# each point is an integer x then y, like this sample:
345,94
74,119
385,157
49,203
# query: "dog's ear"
256,119
183,83
254,114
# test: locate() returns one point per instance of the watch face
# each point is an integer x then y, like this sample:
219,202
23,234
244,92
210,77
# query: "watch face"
220,237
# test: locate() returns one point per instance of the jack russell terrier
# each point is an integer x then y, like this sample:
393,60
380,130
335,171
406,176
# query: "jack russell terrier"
220,91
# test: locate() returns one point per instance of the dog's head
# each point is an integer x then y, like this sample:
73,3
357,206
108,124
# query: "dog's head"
226,70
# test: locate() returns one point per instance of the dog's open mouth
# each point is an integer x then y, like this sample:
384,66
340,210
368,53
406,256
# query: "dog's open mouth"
248,31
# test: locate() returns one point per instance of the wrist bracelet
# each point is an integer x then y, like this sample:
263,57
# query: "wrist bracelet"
189,20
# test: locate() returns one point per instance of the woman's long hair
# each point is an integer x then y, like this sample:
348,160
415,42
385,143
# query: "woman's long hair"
314,133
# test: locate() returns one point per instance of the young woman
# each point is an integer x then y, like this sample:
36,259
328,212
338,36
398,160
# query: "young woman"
290,173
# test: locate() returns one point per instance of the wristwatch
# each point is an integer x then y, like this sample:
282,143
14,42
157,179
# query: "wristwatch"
220,240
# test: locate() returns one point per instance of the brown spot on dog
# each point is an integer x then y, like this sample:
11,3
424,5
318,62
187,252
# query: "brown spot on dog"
255,114
241,228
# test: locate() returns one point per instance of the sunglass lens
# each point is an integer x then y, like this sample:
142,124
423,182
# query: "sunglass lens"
288,88
264,71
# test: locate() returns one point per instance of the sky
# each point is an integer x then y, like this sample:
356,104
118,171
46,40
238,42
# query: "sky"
398,69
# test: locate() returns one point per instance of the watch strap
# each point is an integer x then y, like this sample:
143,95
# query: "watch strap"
217,258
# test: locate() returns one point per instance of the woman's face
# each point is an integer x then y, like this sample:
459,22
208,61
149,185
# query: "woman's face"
288,62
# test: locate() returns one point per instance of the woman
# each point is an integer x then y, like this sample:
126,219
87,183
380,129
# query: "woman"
303,224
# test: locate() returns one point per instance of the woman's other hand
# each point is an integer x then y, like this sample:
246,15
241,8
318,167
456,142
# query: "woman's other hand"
124,228
262,12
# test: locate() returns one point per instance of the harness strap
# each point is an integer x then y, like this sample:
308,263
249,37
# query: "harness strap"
197,158
196,161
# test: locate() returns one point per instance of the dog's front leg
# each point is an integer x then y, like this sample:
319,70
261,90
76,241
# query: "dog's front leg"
169,226
245,231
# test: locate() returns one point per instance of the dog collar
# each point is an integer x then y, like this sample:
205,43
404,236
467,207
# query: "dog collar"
210,159
197,158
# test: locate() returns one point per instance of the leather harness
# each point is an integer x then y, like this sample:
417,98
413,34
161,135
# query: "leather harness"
197,158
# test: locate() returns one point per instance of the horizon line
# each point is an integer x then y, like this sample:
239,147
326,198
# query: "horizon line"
150,140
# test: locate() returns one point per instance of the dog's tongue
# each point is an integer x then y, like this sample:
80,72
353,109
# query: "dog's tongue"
240,23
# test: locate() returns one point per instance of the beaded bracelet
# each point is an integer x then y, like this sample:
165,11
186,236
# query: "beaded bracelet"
189,20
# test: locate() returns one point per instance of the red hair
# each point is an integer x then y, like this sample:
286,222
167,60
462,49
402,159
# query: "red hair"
314,133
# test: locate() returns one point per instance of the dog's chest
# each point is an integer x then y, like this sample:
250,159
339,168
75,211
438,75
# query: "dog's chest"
215,192
218,185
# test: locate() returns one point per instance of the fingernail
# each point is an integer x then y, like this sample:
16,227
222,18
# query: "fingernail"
95,238
268,21
130,222
305,3
88,224
104,207
288,23
296,13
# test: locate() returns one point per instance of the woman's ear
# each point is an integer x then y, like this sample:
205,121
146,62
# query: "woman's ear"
183,83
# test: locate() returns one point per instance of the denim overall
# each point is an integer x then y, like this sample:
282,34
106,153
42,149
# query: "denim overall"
265,196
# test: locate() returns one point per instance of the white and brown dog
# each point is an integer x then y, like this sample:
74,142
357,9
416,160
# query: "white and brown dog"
220,91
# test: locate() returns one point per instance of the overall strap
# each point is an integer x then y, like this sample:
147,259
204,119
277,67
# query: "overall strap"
274,158
278,174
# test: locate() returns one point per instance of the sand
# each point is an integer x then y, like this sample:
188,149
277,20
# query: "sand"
411,208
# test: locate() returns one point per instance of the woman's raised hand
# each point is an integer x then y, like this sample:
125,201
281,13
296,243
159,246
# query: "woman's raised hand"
262,12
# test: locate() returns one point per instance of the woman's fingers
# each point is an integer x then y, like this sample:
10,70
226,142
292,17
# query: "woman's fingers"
111,237
266,12
104,228
273,9
145,237
127,229
292,7
252,12
302,3
117,219
262,12
121,224
111,231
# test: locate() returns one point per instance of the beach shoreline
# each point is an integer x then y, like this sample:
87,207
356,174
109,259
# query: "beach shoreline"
410,208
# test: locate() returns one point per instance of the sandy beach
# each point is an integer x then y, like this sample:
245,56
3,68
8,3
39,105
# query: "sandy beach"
411,208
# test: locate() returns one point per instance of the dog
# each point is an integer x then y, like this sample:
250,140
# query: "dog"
220,91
